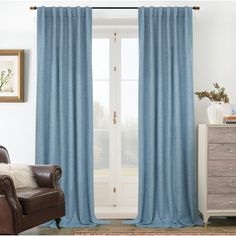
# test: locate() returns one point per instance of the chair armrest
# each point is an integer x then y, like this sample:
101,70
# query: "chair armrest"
7,189
47,175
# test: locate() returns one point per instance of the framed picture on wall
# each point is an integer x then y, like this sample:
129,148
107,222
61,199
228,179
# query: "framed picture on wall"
11,75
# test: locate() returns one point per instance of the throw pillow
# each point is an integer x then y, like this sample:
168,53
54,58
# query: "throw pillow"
21,175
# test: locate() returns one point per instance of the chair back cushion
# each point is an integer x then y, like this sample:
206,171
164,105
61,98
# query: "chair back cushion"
4,156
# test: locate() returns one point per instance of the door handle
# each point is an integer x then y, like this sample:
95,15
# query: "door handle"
114,117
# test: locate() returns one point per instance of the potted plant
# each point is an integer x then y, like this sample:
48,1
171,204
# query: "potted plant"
218,96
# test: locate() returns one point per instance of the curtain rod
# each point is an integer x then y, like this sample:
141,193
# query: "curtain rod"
130,8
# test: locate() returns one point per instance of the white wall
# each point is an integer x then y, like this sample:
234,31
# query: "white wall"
214,59
214,50
17,120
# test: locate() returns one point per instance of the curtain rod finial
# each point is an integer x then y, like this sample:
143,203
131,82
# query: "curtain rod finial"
33,8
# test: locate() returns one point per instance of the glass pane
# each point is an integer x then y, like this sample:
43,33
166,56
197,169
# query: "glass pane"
101,151
129,127
100,59
100,104
129,58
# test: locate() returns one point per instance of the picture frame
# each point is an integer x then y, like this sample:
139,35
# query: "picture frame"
11,75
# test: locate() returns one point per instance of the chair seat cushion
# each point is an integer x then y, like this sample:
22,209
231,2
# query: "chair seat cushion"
35,199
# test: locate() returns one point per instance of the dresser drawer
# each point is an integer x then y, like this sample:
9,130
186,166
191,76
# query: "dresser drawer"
221,201
222,151
222,135
222,168
222,185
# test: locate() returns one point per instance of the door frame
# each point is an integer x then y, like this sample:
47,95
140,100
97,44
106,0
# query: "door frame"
112,211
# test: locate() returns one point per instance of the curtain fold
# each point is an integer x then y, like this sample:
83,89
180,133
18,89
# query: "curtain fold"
167,171
64,120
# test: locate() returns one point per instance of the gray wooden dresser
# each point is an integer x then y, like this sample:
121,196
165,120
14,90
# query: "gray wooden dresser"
216,170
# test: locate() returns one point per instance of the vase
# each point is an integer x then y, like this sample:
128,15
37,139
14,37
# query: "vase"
215,113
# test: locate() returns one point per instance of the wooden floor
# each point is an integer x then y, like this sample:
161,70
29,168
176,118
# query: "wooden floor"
220,225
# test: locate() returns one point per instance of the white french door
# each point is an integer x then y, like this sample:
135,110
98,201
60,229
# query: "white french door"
115,99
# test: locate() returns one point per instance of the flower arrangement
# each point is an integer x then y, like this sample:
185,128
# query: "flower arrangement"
5,77
217,95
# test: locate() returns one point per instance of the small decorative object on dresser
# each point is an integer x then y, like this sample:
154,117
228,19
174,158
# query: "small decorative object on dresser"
215,109
11,75
216,170
233,110
230,120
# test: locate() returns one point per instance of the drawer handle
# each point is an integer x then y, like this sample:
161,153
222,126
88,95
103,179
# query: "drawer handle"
230,202
230,168
230,151
230,135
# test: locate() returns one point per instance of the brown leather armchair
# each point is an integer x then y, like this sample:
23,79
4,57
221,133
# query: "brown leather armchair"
24,208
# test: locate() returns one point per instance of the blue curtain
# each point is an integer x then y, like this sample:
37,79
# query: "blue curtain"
167,182
64,123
